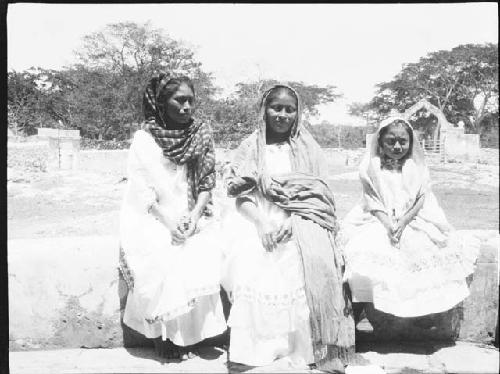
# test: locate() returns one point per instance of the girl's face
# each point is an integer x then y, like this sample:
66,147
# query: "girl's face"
395,142
281,111
180,105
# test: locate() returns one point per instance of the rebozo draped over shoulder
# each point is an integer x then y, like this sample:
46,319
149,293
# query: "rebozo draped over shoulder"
248,172
192,146
305,194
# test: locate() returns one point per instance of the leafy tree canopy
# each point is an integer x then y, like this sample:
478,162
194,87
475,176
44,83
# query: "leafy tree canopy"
462,83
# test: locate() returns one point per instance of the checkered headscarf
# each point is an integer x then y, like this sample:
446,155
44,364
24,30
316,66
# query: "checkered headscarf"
193,145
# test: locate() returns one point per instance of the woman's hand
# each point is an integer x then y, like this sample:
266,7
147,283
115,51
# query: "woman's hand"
187,224
178,237
285,232
265,229
267,235
277,192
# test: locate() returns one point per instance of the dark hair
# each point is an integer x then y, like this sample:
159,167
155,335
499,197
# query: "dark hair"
397,122
172,86
274,92
162,92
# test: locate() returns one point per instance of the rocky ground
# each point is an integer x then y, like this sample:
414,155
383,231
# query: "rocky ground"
42,204
460,358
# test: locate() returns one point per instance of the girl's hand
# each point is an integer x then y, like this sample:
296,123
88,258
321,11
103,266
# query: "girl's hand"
389,227
398,228
266,233
285,232
384,220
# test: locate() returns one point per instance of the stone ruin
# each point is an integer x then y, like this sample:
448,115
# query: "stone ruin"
64,146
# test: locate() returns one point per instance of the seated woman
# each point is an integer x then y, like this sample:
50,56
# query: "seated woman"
282,271
169,256
401,253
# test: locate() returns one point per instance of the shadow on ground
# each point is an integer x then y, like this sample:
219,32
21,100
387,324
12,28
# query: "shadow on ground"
140,346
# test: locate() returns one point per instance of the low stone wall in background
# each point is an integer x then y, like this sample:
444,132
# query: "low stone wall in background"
33,156
115,160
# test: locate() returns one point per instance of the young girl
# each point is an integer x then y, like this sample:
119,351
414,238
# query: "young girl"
401,253
168,253
282,270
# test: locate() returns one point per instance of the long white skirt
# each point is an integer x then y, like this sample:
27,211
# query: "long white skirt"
176,288
269,316
416,279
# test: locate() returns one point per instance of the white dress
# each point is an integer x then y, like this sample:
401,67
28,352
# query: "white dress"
269,316
425,274
176,288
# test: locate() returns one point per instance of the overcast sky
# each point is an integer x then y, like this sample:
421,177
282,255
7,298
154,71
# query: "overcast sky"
351,46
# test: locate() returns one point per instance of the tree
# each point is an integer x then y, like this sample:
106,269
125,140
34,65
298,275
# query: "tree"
101,94
365,111
310,95
34,100
338,136
462,83
115,64
22,98
237,116
127,47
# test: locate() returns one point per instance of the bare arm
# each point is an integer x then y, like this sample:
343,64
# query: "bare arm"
401,224
386,222
383,218
395,229
412,213
159,212
249,210
201,203
187,224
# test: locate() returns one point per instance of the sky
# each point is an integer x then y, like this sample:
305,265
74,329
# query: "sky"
350,46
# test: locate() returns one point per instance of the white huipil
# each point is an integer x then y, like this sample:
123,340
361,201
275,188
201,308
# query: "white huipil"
269,316
425,274
176,286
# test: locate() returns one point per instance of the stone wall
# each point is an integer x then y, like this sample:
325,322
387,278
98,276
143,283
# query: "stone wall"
64,146
460,146
66,293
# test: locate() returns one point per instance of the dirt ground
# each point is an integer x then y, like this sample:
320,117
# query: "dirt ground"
85,203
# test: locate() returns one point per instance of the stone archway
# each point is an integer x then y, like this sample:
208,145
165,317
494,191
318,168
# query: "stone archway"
443,124
448,141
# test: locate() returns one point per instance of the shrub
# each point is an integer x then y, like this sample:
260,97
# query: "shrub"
103,144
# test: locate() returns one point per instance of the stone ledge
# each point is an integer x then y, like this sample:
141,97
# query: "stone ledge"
65,293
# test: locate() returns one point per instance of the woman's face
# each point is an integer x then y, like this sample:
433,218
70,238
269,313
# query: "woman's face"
395,142
281,111
180,105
